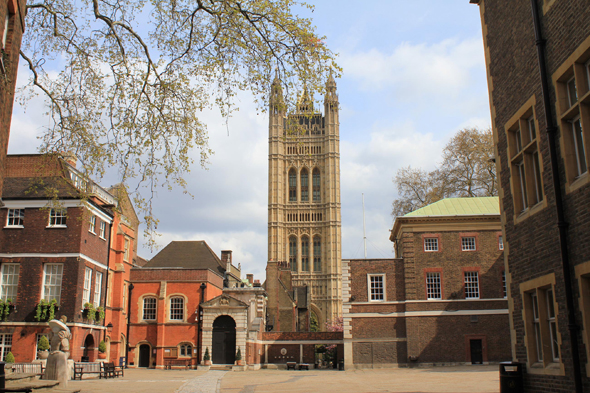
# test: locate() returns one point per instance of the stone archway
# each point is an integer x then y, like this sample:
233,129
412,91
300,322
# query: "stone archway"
224,340
88,354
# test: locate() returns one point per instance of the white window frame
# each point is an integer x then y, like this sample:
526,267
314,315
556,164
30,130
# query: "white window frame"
52,278
176,308
466,244
552,325
430,244
5,345
471,284
87,285
500,243
569,92
147,308
374,292
126,250
97,289
9,283
537,327
103,230
92,225
58,217
15,218
433,286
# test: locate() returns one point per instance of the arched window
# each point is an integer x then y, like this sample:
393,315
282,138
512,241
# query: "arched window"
292,185
149,308
293,253
304,185
177,308
317,254
186,349
316,185
305,254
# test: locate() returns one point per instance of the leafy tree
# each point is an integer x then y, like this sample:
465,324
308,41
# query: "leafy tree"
134,76
314,324
9,358
335,325
467,170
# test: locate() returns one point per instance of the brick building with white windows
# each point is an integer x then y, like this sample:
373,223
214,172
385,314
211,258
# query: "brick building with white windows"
538,68
56,246
442,300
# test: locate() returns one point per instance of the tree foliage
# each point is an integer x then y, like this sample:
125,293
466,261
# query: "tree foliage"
133,77
467,170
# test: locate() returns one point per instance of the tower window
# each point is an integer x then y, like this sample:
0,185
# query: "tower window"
316,185
317,254
304,185
293,253
292,186
305,254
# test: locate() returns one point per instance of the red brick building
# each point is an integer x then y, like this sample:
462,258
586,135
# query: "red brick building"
538,69
443,300
12,15
54,254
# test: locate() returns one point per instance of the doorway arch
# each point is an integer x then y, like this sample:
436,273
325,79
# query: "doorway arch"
224,340
88,353
144,355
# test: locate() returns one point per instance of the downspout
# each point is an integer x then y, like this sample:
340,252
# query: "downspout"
128,323
561,223
106,283
200,322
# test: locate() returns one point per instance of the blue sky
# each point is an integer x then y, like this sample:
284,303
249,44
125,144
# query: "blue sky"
414,74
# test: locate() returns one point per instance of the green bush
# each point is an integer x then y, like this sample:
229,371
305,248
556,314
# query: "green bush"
102,347
89,311
9,357
206,356
43,344
239,354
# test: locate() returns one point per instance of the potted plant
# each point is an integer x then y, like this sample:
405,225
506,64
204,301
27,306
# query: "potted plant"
45,310
102,350
43,348
9,357
99,313
206,357
89,312
239,361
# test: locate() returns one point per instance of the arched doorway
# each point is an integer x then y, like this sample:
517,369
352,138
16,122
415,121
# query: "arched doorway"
224,340
88,355
144,355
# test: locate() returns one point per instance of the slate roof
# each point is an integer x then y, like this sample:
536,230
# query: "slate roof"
194,254
37,188
459,207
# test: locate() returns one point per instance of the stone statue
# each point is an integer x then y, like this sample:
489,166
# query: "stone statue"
57,362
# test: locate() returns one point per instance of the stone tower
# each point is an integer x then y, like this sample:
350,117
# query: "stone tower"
304,197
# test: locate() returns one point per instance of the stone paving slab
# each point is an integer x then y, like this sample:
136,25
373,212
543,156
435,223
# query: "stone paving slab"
460,379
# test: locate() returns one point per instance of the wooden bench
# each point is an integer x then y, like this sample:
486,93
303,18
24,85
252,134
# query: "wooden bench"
28,368
112,371
291,365
81,368
169,363
304,366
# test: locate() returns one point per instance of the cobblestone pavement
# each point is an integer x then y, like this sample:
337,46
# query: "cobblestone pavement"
208,383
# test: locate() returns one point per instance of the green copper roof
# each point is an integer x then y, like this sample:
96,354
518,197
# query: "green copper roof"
459,207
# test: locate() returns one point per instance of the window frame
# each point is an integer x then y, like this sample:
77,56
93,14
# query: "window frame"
126,247
292,185
97,289
19,219
145,309
428,285
466,244
304,184
58,220
92,225
292,249
427,247
317,254
176,312
87,287
305,254
48,286
471,289
182,347
12,286
4,348
372,296
316,185
102,230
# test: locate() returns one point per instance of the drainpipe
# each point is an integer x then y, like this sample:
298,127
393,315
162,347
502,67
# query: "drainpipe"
106,283
128,323
200,322
561,223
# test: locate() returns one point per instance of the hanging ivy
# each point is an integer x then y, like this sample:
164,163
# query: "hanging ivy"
5,309
46,310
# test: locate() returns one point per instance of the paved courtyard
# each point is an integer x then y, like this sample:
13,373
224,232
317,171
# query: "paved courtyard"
460,379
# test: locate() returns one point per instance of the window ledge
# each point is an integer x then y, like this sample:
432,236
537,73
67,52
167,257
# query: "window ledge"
14,227
580,181
551,369
55,226
100,237
94,233
529,211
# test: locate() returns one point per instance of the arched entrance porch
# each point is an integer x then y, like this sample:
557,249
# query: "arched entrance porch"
224,340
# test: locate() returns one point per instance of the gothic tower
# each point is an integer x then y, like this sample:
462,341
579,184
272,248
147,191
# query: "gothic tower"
304,197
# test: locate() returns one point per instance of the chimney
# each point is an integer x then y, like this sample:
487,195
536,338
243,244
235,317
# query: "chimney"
226,259
250,278
257,283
